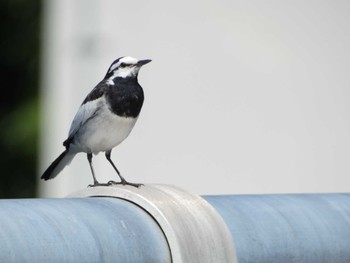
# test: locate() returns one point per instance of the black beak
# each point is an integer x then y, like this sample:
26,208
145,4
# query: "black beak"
143,62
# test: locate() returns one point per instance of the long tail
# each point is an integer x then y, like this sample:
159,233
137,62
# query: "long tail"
57,165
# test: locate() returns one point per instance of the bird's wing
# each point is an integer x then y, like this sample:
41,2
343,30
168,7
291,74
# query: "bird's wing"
87,111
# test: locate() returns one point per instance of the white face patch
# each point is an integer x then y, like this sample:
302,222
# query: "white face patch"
129,60
130,69
125,72
126,60
113,67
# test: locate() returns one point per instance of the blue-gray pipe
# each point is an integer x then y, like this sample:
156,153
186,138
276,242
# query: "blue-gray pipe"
158,223
288,228
79,230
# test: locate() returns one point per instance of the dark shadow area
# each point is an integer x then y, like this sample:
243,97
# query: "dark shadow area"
19,67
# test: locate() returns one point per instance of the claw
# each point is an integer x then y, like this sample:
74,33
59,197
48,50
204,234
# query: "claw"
97,184
124,183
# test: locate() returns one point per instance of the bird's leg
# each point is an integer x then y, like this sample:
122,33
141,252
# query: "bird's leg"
96,183
122,179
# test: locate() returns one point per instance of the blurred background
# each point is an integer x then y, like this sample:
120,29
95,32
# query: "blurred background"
241,96
19,108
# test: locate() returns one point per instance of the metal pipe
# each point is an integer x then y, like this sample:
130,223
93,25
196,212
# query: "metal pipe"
195,231
287,228
79,230
147,224
158,223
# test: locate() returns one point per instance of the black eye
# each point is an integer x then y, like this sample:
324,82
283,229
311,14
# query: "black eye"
123,65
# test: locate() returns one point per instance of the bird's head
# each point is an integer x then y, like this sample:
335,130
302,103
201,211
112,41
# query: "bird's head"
125,67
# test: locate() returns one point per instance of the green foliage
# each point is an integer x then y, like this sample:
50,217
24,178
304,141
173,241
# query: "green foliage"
19,69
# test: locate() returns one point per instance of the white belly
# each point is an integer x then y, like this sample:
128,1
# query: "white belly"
103,132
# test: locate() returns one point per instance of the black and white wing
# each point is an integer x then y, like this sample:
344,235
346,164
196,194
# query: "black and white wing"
88,110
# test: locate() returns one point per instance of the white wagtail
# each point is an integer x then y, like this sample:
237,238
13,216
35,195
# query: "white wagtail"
105,118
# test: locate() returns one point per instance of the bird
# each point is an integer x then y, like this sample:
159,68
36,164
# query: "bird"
104,119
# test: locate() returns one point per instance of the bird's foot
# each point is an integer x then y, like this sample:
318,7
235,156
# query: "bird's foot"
124,183
97,184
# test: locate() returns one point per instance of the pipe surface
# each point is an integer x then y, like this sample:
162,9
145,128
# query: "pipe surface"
159,223
195,231
287,228
79,230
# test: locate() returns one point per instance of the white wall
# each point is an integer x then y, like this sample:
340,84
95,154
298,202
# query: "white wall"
241,96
